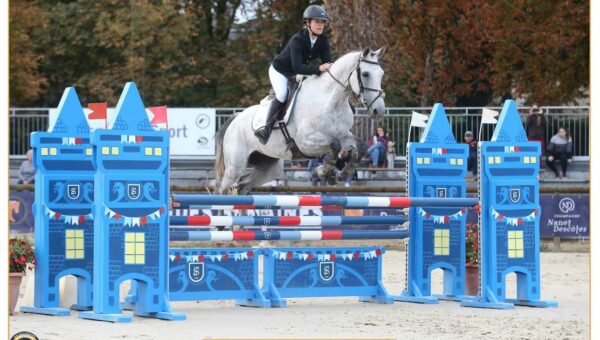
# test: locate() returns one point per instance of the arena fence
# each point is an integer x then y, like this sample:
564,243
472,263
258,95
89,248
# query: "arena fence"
397,120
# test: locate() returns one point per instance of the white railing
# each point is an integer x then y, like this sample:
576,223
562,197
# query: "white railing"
23,121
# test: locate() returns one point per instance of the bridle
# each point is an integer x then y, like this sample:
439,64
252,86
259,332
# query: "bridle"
358,97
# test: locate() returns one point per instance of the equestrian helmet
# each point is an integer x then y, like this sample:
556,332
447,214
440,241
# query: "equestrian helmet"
315,12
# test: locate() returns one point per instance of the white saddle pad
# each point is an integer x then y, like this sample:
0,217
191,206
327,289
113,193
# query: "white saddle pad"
260,117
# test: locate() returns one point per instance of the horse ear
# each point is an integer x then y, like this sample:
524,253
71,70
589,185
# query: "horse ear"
381,51
365,52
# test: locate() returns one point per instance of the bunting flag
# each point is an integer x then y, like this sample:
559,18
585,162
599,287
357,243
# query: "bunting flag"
439,151
131,139
68,219
353,256
514,221
489,116
511,149
71,141
442,219
235,256
418,119
138,221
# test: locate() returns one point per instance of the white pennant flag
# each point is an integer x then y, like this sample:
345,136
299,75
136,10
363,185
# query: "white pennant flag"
418,119
127,221
236,256
244,255
489,116
212,257
172,257
123,138
131,139
135,221
219,257
304,257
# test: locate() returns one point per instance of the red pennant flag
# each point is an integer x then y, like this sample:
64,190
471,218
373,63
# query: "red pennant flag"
536,212
378,252
117,216
225,257
290,255
144,220
57,216
428,215
520,221
98,111
500,217
201,258
446,219
463,210
177,257
139,139
250,254
444,151
332,257
160,115
517,148
78,141
356,255
310,256
81,219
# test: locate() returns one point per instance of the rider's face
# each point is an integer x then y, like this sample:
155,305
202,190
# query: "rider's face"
317,26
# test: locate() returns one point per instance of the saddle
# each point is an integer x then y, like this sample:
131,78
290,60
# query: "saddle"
260,117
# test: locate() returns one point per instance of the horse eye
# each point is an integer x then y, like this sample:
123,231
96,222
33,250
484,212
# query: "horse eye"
365,74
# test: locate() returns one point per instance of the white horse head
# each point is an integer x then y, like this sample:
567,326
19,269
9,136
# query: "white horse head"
321,123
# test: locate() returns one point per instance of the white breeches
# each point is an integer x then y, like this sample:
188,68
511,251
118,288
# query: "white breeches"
279,83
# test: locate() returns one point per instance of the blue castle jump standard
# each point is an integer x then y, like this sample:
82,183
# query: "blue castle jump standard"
64,196
436,168
131,214
510,216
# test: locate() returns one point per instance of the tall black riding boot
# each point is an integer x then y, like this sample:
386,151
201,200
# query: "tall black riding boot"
264,133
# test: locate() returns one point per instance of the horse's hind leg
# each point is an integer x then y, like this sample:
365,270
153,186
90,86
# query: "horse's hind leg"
265,169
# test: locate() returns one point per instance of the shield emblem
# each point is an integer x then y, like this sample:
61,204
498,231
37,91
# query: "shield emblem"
73,191
515,195
267,235
326,270
441,192
133,191
196,271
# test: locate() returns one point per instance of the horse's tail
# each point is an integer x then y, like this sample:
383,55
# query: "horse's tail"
219,161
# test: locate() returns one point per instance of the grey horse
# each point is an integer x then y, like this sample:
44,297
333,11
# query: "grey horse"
321,123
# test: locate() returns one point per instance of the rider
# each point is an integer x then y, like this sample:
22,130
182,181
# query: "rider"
303,47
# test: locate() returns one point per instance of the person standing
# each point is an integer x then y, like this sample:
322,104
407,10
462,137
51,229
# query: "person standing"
536,126
469,139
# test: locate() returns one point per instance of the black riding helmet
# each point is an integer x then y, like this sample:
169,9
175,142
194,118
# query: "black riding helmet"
315,12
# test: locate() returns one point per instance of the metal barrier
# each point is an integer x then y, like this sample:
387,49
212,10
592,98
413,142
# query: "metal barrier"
397,120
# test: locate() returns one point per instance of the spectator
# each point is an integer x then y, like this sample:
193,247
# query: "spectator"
560,148
378,147
469,138
536,126
27,170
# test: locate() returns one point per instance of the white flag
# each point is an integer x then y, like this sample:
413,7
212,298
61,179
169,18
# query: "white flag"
172,257
489,116
418,119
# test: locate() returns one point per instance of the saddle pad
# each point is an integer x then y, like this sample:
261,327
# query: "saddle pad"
260,116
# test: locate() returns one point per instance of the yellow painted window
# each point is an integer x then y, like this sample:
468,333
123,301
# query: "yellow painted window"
88,151
515,243
426,160
135,248
44,152
460,161
452,161
533,160
491,160
52,151
419,160
498,160
105,150
115,150
74,244
157,151
148,151
526,160
441,242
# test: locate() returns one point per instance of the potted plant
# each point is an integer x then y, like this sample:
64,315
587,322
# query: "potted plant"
21,258
472,265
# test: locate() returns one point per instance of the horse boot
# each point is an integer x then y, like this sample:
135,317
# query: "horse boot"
264,132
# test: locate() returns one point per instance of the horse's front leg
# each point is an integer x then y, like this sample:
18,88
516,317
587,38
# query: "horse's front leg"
329,169
356,149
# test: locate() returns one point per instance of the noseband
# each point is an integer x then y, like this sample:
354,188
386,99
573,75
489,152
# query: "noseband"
358,97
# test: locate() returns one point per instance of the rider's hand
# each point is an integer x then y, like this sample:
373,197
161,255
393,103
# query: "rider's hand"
324,67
